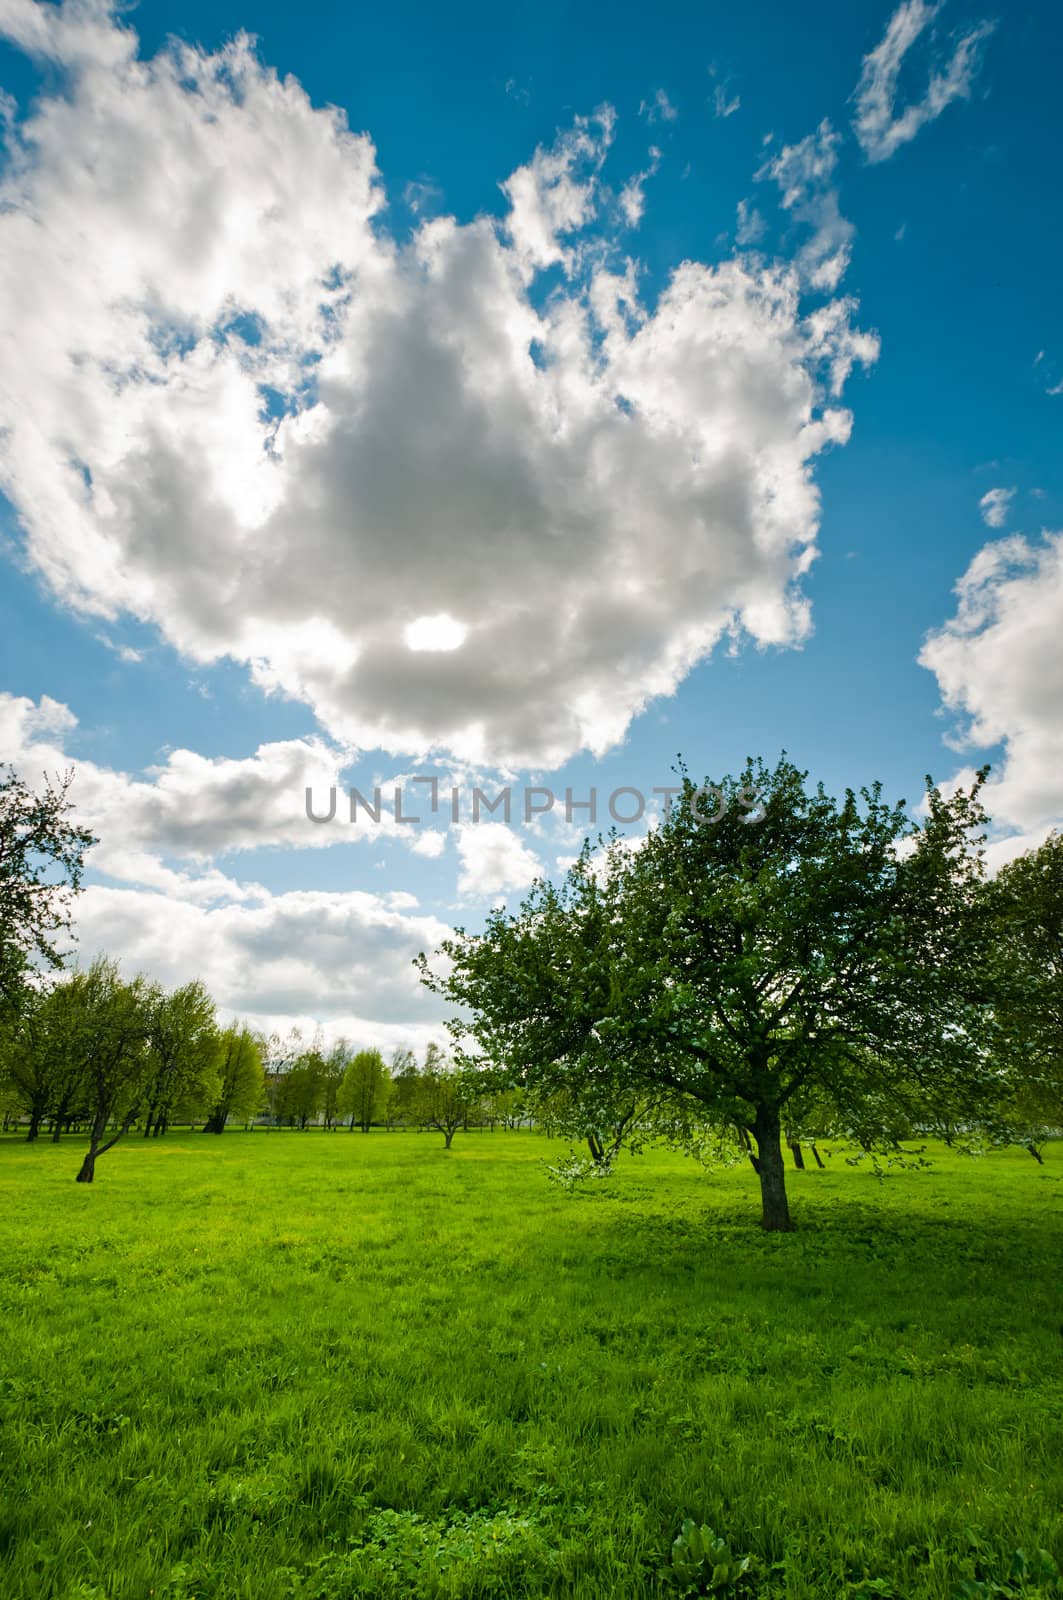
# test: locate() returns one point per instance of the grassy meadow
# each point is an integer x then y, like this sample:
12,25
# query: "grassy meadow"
280,1365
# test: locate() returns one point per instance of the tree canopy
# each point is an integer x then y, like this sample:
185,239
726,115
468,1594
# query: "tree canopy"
748,964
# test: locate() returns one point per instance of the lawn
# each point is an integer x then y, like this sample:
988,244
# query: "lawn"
274,1365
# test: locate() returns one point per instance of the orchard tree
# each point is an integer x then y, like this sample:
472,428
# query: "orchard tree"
185,1048
241,1080
366,1089
301,1092
41,861
41,1064
763,947
405,1073
333,1066
1026,902
447,1094
108,1022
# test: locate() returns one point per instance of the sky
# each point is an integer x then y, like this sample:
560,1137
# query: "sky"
519,397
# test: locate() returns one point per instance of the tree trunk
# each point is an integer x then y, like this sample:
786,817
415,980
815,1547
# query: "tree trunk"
775,1216
88,1166
815,1152
795,1151
448,1134
35,1126
1038,1157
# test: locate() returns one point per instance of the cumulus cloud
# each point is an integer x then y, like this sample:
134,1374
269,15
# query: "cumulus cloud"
189,806
344,961
880,126
999,666
233,405
995,505
494,859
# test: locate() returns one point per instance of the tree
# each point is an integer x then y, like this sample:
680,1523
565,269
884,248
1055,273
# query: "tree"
405,1075
365,1090
241,1081
333,1067
41,863
41,1064
184,1047
744,959
302,1089
1026,904
446,1094
107,1035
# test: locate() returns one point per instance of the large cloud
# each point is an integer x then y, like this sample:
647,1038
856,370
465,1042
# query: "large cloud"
999,665
232,404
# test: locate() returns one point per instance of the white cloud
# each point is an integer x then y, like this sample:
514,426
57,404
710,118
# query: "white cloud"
804,173
995,505
999,665
341,960
493,858
751,225
722,106
439,633
631,199
189,806
233,406
660,108
880,127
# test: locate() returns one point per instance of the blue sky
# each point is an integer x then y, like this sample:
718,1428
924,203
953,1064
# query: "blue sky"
617,524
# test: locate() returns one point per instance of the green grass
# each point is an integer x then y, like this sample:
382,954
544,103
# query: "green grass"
326,1366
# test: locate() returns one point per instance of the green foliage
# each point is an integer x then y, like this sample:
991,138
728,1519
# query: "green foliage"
241,1089
365,1090
41,861
703,1563
811,959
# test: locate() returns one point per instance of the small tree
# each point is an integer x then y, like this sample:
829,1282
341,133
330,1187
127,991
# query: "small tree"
366,1089
185,1048
241,1080
108,1023
446,1095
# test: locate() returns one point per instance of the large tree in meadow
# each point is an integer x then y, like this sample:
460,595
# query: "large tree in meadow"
746,960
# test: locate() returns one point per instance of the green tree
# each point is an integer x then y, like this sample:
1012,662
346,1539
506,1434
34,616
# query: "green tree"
1026,903
241,1080
765,944
301,1092
185,1049
447,1094
107,1026
39,1050
366,1089
41,861
405,1073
